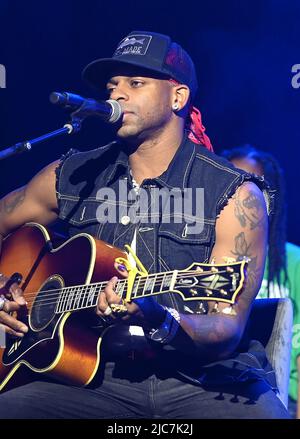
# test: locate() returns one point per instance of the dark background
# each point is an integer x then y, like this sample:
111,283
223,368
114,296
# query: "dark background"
243,50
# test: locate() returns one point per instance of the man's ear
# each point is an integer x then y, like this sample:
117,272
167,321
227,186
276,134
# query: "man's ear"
181,96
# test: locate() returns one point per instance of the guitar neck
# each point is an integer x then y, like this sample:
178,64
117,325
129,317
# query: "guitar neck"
197,282
81,297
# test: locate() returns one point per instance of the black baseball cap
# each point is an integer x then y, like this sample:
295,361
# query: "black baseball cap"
148,50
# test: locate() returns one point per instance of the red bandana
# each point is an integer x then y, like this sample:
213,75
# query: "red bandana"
197,130
195,126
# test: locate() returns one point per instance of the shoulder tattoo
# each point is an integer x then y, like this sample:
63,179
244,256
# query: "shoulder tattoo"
15,199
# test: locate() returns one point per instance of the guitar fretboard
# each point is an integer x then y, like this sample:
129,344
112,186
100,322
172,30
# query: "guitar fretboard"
204,282
86,296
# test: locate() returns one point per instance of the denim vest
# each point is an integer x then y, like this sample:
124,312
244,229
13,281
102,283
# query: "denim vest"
166,240
93,180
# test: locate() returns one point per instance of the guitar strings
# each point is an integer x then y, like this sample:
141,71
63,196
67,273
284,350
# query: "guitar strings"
104,283
98,287
146,295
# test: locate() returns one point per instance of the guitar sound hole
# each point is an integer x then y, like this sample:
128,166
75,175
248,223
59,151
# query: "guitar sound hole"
43,308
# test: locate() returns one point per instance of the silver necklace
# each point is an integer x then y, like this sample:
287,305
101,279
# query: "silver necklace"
135,185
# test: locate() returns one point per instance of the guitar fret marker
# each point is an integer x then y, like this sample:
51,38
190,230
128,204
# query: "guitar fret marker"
91,292
135,287
77,297
167,280
84,296
68,302
149,284
122,288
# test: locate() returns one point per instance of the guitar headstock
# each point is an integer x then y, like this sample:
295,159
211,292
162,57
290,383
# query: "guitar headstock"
220,282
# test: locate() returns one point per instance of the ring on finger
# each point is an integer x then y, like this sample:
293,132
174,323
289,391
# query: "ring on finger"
119,308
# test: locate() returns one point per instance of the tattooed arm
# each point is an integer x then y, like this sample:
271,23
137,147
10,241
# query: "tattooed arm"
241,231
34,202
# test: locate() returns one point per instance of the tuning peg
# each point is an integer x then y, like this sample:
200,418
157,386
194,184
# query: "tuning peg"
199,269
223,292
214,270
208,292
229,269
193,292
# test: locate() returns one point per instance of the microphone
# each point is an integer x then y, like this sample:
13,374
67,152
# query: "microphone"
110,111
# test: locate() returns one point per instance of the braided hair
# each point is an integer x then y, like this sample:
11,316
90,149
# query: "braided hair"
277,228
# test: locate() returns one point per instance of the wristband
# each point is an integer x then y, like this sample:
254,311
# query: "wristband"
168,329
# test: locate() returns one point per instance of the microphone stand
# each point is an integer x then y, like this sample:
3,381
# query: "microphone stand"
69,128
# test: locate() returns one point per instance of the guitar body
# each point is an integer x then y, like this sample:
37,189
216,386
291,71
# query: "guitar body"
64,345
61,285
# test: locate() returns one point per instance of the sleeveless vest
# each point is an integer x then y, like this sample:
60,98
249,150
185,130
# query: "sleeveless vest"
175,229
95,195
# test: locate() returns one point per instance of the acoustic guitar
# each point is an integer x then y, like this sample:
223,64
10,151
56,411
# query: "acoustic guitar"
61,285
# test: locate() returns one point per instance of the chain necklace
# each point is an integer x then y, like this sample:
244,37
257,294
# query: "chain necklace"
135,185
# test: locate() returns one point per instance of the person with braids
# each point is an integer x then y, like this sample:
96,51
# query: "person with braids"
162,357
282,271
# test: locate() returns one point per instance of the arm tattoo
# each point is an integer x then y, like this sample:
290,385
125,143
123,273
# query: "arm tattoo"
241,251
241,248
16,199
249,211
